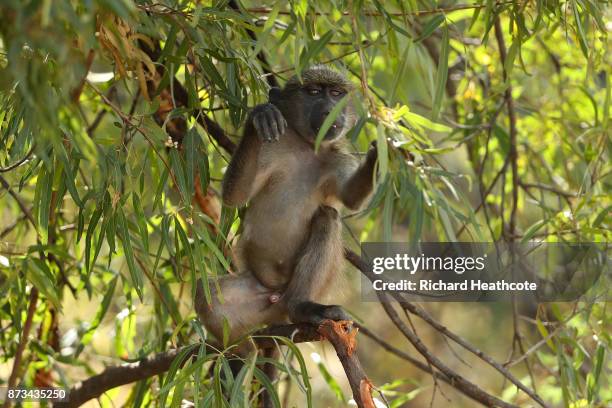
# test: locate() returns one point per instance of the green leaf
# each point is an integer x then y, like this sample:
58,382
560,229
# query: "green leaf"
41,277
382,151
44,188
212,246
416,219
263,379
446,224
307,388
331,382
203,171
511,56
190,145
329,120
135,273
399,73
241,383
160,188
604,214
431,26
314,48
387,215
171,374
93,221
421,121
106,300
141,220
582,40
544,333
69,168
597,369
535,227
176,163
441,75
185,244
217,388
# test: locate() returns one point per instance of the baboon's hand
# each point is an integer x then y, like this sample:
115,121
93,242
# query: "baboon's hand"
269,122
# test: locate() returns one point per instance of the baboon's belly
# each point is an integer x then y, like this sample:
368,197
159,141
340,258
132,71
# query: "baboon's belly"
275,229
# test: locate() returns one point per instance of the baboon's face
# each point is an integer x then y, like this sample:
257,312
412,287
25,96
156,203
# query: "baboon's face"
305,105
319,100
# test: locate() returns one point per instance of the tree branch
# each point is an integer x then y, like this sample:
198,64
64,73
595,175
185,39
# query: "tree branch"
265,65
342,336
20,161
461,383
512,154
18,200
336,332
457,381
403,355
116,376
418,13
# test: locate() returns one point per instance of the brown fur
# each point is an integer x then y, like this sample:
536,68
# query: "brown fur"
291,237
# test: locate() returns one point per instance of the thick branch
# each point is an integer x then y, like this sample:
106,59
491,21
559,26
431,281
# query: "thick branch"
157,364
342,336
113,377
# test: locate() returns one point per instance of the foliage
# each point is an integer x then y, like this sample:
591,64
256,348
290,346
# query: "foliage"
492,121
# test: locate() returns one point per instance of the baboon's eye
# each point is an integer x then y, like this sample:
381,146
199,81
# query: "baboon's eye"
313,91
336,92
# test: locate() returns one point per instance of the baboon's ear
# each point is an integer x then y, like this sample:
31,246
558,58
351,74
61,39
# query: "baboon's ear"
274,94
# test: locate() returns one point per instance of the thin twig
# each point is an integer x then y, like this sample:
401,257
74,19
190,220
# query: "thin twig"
19,201
112,90
11,227
460,382
512,154
513,157
534,348
546,187
76,93
260,55
403,355
357,262
20,161
479,353
418,13
127,120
